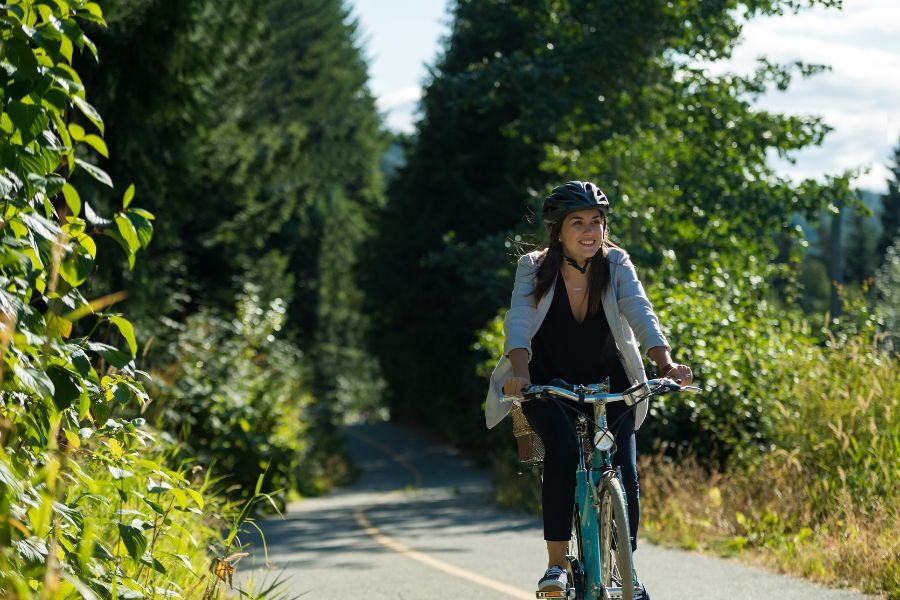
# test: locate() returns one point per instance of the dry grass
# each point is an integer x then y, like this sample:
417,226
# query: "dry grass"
824,503
763,515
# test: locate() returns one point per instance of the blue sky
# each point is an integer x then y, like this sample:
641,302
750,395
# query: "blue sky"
859,98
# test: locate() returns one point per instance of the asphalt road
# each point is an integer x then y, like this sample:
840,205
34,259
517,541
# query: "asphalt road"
419,524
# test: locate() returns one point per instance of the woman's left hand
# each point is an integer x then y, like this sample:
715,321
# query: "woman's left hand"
680,373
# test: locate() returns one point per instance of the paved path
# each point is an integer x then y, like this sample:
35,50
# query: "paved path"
420,525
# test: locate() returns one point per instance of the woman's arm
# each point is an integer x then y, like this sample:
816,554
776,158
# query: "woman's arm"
521,376
636,308
522,311
668,367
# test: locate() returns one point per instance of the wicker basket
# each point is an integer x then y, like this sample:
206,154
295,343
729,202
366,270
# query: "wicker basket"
529,444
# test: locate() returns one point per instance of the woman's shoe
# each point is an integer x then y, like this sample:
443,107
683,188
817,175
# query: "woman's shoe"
554,579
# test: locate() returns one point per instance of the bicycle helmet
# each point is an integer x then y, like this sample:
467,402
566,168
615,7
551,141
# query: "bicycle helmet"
570,197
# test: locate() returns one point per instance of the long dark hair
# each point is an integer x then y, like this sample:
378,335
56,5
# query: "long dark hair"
552,262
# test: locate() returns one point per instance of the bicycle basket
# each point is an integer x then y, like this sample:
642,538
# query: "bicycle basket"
528,442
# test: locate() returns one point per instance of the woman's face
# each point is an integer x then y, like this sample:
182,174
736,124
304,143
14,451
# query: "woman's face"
582,233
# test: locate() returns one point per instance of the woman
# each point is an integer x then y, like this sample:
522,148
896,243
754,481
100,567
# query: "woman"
577,307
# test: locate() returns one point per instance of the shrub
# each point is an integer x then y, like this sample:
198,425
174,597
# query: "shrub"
87,506
235,395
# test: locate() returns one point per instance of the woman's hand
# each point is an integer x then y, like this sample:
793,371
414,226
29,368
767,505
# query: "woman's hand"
680,373
514,385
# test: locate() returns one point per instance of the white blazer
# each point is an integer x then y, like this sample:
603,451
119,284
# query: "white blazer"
625,305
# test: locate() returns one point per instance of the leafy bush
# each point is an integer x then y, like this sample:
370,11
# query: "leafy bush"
87,506
721,322
235,395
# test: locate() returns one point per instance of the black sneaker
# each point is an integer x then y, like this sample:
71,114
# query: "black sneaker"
640,592
553,580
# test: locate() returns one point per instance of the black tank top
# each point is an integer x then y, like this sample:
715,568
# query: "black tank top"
576,352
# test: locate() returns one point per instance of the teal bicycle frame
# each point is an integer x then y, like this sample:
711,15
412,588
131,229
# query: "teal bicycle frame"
590,482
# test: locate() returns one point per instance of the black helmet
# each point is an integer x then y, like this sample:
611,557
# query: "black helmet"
570,197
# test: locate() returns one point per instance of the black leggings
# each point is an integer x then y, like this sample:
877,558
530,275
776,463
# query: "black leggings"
555,424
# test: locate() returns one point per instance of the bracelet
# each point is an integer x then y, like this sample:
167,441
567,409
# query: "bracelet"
668,368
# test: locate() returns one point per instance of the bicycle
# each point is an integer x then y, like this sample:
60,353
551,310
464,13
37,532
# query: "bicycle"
598,566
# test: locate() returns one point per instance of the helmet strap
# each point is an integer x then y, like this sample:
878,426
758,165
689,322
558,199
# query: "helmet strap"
575,264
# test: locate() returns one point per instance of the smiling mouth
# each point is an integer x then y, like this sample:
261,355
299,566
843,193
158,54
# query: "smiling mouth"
587,243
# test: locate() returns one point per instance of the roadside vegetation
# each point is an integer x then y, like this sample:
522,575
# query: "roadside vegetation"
147,414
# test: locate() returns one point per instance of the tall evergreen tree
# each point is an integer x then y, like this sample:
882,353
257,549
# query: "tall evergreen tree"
255,132
890,214
860,257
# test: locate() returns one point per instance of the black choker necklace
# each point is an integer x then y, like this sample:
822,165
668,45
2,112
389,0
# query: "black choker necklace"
580,269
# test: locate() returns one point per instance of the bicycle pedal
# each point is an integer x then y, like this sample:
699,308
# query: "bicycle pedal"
556,594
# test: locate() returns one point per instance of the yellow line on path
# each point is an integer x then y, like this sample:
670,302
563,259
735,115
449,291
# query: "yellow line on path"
421,557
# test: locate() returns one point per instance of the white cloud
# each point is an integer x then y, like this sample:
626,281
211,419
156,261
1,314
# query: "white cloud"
399,97
858,97
400,108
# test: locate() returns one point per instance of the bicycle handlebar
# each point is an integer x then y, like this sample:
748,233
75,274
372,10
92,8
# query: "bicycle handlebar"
594,393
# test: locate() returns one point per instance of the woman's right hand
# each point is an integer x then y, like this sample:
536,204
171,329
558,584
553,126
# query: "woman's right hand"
514,385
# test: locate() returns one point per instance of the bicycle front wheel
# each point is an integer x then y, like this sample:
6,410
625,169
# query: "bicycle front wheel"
616,571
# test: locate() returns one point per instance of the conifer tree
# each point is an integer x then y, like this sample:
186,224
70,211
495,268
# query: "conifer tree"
861,260
890,214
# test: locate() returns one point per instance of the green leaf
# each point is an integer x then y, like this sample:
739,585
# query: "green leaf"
134,540
143,227
57,100
144,213
90,45
197,497
111,354
118,473
76,131
34,381
93,9
29,119
20,56
128,232
78,266
73,200
42,227
151,562
66,391
127,331
95,172
129,194
89,111
66,48
153,505
40,161
57,325
67,78
97,143
33,549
